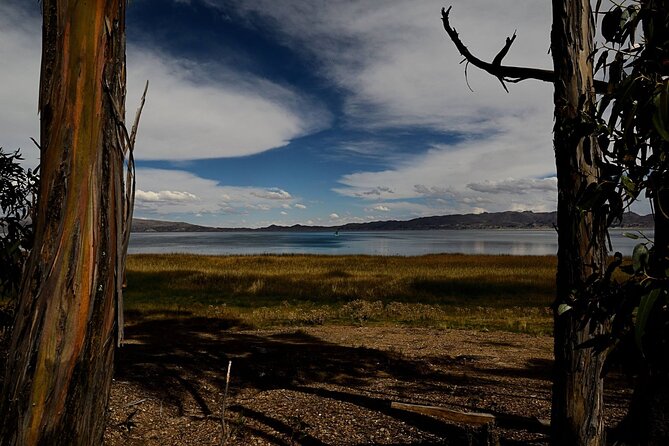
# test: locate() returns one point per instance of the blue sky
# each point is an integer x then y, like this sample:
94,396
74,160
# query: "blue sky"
299,111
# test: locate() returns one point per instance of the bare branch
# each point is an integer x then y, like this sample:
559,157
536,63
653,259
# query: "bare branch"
497,61
504,73
133,132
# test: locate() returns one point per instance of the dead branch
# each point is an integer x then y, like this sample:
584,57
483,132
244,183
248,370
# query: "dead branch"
504,73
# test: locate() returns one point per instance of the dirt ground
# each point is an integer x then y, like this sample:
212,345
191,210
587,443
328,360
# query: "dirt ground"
327,385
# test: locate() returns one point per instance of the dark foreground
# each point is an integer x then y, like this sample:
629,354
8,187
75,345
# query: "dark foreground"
326,385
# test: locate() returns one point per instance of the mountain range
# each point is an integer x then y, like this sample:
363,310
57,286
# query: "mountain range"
485,220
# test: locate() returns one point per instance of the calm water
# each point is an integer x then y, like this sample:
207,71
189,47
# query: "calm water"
405,243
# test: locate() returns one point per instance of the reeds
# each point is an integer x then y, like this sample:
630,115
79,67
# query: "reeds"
495,292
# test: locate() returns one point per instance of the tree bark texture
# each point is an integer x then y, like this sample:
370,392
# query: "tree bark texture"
60,362
577,390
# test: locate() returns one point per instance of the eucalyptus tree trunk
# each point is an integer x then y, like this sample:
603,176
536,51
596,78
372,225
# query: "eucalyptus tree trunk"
577,389
60,362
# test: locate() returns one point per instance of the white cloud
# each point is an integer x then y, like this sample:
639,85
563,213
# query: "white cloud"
398,68
300,206
191,113
164,196
382,208
334,216
156,197
284,213
272,194
192,110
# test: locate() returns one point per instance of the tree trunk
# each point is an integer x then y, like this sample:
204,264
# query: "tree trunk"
60,362
577,388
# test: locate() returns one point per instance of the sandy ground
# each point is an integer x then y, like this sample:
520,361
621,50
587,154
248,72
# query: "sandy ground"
328,385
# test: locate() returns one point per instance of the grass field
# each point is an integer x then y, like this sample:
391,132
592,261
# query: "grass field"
484,292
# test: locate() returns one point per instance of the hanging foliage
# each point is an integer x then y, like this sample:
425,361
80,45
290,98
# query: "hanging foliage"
632,124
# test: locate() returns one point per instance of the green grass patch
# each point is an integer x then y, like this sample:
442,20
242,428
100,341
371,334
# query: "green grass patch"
462,291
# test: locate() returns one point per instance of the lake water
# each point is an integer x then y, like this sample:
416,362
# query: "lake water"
405,243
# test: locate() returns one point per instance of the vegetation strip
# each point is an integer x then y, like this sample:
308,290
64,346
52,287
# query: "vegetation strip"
450,291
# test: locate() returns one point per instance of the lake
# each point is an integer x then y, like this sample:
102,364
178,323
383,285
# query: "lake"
404,243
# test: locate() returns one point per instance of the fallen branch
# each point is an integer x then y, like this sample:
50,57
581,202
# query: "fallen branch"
453,416
477,418
134,403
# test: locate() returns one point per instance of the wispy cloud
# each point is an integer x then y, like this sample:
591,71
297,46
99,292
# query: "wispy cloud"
397,64
516,186
478,173
272,194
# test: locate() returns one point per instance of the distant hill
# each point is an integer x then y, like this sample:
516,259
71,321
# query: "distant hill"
492,220
141,225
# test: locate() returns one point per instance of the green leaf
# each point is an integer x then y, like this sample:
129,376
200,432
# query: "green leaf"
645,307
661,115
640,257
630,235
628,185
562,309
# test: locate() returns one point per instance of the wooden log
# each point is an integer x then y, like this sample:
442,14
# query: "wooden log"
477,418
453,416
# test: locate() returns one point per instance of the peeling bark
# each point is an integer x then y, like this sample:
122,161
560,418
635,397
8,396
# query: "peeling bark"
60,362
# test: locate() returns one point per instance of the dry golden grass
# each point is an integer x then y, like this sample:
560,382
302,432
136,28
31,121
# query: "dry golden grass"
493,292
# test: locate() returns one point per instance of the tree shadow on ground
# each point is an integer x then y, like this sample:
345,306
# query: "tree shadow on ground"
179,359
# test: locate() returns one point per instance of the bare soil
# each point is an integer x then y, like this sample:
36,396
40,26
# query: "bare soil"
325,385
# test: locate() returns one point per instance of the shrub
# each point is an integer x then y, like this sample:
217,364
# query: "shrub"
18,191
